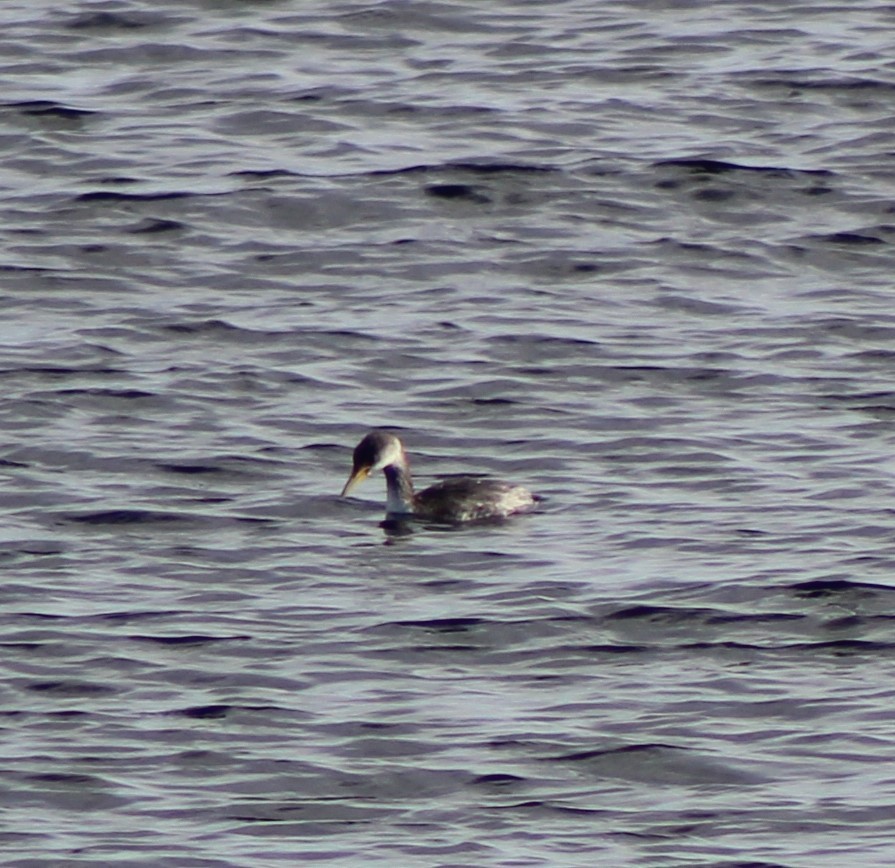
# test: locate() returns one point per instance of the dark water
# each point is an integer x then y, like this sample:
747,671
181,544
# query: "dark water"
637,256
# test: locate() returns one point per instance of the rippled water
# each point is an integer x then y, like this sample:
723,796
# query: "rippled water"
636,256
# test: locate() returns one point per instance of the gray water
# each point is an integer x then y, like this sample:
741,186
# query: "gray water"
635,256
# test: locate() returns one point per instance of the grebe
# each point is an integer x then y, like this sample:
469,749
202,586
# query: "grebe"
465,498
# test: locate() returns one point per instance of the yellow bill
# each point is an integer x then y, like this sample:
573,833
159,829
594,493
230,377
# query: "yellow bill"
358,475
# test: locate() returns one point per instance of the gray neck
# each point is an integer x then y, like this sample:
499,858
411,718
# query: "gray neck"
400,489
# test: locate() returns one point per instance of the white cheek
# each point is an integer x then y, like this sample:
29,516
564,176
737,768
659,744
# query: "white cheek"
392,455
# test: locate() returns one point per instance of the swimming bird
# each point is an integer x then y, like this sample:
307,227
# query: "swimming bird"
459,499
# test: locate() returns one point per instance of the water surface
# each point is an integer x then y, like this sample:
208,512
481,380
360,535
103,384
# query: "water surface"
636,257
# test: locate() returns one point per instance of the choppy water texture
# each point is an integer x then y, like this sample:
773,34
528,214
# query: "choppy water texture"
636,256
